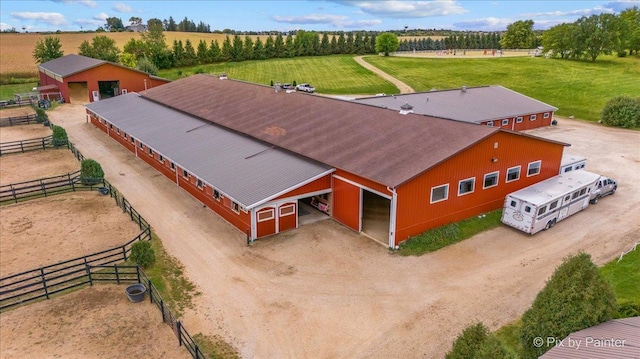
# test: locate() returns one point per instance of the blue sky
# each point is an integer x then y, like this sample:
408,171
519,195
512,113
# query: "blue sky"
74,15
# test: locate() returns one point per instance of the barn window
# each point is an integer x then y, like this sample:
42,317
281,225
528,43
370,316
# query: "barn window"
111,126
505,122
199,183
172,166
491,180
141,145
546,115
161,158
490,123
216,195
287,210
266,215
534,168
150,151
185,174
439,193
519,119
133,140
235,207
117,130
513,174
466,186
125,135
533,117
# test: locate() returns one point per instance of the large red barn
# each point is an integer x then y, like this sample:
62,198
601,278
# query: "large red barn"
81,79
264,159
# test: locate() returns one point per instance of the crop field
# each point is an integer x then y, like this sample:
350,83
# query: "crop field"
339,74
577,88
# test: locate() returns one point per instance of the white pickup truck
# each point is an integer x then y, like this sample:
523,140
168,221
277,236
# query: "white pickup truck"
305,88
603,187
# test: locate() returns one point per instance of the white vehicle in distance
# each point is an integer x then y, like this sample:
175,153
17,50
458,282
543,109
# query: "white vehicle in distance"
305,88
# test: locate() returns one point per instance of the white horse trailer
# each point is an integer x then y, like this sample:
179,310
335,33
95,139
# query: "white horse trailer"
540,206
571,163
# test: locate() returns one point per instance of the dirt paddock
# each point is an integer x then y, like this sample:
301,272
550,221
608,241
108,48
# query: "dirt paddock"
94,322
17,111
48,230
23,132
32,165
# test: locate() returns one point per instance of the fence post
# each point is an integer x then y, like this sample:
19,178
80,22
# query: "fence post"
43,146
13,193
115,267
162,310
138,273
179,327
21,146
44,283
88,269
73,185
44,188
124,252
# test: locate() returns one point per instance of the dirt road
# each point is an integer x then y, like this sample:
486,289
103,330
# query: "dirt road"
324,292
403,87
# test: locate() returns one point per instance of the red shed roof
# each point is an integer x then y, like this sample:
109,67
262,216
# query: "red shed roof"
375,143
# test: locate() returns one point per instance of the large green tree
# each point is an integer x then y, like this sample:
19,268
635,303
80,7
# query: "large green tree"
631,34
558,40
48,49
597,34
101,47
576,297
114,24
157,49
386,43
519,35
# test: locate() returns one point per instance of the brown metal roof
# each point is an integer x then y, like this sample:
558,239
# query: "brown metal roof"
375,143
615,339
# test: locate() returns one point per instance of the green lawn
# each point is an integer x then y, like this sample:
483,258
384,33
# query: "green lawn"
577,88
7,91
624,276
328,74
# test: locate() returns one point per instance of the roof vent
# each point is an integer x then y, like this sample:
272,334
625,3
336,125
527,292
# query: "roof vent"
464,88
406,108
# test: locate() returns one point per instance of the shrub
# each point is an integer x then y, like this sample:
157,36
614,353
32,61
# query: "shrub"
622,111
147,66
271,83
199,71
295,83
91,172
142,254
59,137
628,309
576,297
468,343
41,115
492,348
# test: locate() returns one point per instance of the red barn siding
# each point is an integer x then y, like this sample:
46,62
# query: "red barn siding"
266,227
287,222
415,214
346,204
526,123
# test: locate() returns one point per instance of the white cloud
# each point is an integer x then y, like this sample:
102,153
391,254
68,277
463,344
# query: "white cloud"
338,21
4,26
122,8
406,9
87,3
486,24
51,18
101,17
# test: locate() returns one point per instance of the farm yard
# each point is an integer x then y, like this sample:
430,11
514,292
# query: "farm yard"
327,292
97,321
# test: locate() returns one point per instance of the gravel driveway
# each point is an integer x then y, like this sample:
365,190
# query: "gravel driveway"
324,292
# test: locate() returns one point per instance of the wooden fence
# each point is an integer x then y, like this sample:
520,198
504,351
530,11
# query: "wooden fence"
18,120
88,273
14,192
31,145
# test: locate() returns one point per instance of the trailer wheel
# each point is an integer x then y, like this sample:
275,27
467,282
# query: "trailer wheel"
549,225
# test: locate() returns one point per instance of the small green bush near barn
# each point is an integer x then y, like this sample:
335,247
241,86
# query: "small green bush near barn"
59,137
41,115
622,111
468,342
576,297
142,254
91,172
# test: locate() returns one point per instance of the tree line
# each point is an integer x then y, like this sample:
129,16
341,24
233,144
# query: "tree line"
453,41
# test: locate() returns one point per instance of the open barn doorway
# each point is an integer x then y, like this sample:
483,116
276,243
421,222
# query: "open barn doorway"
108,89
313,209
376,212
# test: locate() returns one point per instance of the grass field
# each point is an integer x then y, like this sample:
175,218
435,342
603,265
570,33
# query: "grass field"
338,74
7,91
577,88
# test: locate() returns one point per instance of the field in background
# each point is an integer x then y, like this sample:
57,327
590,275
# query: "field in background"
339,74
577,88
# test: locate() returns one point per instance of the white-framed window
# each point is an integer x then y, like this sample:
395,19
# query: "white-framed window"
553,205
519,119
141,145
216,195
185,174
266,215
466,186
527,209
235,207
172,166
505,122
546,115
133,140
513,174
439,193
533,117
199,183
533,168
111,126
490,180
161,158
490,123
287,210
150,151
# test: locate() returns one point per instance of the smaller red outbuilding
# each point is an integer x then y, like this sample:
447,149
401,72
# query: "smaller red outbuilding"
81,79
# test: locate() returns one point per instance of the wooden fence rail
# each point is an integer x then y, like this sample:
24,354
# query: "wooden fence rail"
18,120
27,145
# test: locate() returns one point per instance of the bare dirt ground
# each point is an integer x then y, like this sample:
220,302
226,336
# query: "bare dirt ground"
325,292
48,230
462,54
23,132
17,111
41,164
95,322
